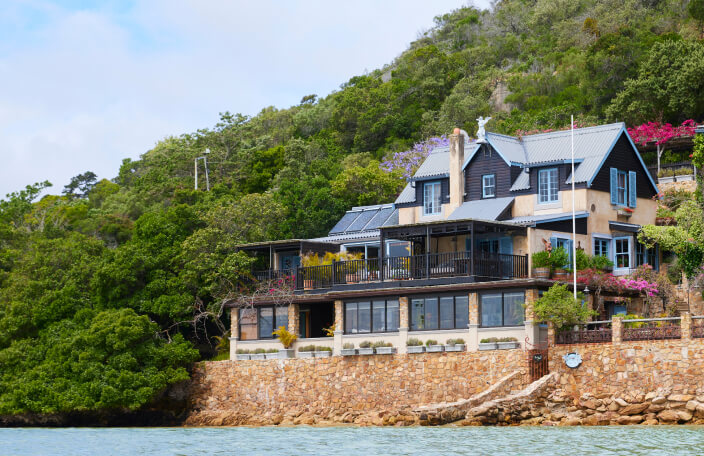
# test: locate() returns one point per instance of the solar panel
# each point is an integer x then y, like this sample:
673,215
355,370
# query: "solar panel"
344,222
362,220
379,218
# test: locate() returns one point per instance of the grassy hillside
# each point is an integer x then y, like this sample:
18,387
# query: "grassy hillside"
110,290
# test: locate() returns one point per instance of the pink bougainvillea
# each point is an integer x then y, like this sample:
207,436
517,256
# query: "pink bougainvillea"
659,134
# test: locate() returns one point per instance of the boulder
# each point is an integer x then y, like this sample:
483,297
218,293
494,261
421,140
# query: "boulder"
634,409
659,400
668,416
692,405
571,421
621,402
634,419
680,397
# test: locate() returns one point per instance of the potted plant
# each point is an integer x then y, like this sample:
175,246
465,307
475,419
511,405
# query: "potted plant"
384,348
559,259
323,352
348,349
684,174
432,346
603,263
242,354
287,339
310,263
506,343
414,345
541,264
272,353
258,353
666,176
489,343
307,351
365,348
624,211
455,345
352,265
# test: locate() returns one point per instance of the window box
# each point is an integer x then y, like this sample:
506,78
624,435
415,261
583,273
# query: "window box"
285,353
323,354
666,180
507,345
366,351
257,356
685,178
271,355
306,354
455,348
348,352
435,348
385,350
415,349
624,211
243,357
483,346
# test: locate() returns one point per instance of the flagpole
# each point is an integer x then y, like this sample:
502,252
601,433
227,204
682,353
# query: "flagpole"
574,218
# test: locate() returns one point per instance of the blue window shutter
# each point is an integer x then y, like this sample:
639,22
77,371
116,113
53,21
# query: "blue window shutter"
506,245
614,186
632,195
553,242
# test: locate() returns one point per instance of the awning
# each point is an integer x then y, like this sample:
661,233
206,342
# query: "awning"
622,226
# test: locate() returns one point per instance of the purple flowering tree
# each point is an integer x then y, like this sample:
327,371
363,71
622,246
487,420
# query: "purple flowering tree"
408,161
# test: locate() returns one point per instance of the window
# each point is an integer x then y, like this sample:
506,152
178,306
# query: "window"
489,245
645,255
601,247
502,309
622,254
489,186
371,316
621,188
444,312
432,203
261,322
547,185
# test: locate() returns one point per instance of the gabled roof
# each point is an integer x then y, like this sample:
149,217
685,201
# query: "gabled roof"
485,209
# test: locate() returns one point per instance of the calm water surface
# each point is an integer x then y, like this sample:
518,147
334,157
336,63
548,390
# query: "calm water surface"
631,440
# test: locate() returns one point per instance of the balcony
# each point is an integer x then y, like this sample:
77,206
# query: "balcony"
483,267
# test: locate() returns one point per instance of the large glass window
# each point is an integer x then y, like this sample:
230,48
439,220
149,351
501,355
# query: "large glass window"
266,322
432,203
248,324
260,322
445,312
601,247
622,254
621,188
547,185
489,186
375,316
502,309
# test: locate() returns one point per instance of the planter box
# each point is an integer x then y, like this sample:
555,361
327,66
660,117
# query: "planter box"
366,351
415,348
488,346
306,354
271,355
624,213
508,345
455,348
541,273
434,348
348,351
323,354
385,350
285,353
666,180
684,178
243,357
560,274
257,356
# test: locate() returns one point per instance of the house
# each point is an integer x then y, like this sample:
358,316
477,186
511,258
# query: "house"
451,257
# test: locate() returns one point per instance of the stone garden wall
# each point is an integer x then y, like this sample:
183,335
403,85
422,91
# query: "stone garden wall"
360,389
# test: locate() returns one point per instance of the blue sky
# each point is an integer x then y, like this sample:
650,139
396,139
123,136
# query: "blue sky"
84,84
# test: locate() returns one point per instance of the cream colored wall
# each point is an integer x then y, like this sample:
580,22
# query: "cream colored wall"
519,332
604,211
409,215
440,335
536,241
393,337
528,204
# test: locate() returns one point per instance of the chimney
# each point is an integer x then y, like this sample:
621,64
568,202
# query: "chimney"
456,174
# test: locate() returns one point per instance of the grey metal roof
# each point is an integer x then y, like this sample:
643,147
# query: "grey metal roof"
529,219
486,209
408,195
437,164
509,148
364,219
522,182
359,236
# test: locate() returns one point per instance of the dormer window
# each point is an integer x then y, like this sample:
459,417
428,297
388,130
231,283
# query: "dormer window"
432,203
547,186
489,186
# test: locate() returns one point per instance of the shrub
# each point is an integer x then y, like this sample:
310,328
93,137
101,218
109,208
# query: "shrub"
320,348
584,261
601,262
489,340
259,351
306,348
348,346
381,343
430,342
286,338
242,351
273,350
558,306
459,341
453,342
365,344
414,342
541,259
559,258
507,339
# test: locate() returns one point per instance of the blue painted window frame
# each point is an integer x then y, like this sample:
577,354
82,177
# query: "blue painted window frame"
548,189
489,188
622,191
432,200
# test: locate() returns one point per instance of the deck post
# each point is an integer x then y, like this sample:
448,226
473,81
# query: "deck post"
427,251
382,254
471,250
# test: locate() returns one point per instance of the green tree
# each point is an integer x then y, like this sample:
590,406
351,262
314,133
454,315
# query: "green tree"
558,306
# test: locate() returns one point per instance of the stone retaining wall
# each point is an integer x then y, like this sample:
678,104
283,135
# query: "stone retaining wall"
360,389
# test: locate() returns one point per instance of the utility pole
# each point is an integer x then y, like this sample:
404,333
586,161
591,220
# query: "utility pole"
205,162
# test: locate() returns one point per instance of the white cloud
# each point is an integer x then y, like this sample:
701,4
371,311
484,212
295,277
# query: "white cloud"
82,89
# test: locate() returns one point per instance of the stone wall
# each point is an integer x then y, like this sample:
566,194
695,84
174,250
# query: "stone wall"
359,389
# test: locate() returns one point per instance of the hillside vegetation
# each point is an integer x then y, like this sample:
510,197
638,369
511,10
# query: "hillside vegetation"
109,291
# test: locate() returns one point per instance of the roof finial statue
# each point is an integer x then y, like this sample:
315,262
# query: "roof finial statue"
481,133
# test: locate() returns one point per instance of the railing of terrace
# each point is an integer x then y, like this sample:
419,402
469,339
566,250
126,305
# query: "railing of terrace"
586,333
651,329
487,266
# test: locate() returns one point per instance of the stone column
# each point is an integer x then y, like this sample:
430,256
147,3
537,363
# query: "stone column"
531,326
234,332
294,324
339,328
529,242
686,326
403,323
616,325
473,327
551,335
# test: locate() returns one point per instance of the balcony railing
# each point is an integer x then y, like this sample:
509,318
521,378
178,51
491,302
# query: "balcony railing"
586,333
486,266
651,329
